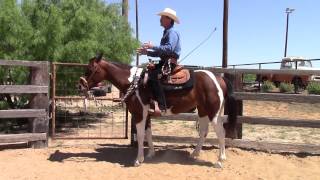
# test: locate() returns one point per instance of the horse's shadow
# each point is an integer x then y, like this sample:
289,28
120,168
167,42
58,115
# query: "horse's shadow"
125,155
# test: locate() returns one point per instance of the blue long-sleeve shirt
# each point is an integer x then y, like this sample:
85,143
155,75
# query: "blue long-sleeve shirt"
169,45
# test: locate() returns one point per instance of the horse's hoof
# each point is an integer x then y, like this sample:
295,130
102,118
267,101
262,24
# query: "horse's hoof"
137,163
195,154
218,165
151,154
222,158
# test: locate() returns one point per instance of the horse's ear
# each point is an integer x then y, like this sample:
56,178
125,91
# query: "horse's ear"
99,57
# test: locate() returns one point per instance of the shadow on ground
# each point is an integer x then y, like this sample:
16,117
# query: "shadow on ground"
125,155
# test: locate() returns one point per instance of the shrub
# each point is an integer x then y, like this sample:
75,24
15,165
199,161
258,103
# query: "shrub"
3,105
286,87
267,86
249,77
313,88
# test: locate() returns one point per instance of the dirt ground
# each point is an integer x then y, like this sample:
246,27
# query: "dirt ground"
112,159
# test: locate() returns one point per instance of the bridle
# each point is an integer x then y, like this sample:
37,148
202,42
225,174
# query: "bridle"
96,69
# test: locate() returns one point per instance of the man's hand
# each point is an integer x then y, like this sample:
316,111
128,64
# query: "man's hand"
147,45
142,51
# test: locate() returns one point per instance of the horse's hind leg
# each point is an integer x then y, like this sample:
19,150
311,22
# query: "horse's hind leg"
203,126
217,123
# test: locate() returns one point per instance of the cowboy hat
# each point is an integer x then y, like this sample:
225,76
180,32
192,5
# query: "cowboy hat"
170,13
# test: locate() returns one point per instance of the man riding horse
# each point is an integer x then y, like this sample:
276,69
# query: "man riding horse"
208,92
168,51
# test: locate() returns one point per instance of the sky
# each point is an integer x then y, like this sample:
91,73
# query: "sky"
256,29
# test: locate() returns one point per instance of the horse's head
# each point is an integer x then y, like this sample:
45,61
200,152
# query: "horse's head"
93,74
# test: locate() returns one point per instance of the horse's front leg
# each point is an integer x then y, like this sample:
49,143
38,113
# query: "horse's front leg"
140,137
151,151
141,134
141,125
203,127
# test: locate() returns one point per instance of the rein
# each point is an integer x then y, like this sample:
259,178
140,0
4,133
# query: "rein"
129,91
133,85
95,70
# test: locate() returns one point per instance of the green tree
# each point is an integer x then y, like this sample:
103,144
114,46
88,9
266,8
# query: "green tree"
94,27
74,30
62,31
15,35
46,21
15,31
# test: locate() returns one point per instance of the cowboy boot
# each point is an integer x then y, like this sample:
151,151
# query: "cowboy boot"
156,111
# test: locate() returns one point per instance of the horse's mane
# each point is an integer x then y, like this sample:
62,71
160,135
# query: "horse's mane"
119,64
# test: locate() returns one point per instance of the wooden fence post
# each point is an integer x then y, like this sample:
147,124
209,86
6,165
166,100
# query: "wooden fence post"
39,76
236,81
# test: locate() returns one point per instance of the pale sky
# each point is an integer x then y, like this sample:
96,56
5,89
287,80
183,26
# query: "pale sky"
256,28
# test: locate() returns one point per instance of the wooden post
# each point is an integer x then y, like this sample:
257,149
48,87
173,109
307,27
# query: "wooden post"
39,76
127,122
237,85
239,113
53,85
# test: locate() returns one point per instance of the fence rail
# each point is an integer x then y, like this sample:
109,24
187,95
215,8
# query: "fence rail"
251,120
265,71
280,121
23,89
38,64
301,98
23,113
24,137
273,147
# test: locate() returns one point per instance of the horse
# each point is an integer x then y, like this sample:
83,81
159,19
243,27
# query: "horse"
208,95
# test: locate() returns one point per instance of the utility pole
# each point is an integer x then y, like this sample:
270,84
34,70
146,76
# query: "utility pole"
225,34
125,9
137,30
288,11
133,136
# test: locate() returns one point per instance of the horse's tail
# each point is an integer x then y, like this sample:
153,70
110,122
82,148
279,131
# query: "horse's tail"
231,110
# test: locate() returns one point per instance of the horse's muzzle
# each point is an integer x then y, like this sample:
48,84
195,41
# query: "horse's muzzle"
83,85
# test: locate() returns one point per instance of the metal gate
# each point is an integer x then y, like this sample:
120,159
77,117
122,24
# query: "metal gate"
74,117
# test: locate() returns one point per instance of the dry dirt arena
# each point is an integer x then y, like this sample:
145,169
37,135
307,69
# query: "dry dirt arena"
112,159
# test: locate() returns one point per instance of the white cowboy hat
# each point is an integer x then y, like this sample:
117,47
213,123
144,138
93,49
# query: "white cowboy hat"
171,14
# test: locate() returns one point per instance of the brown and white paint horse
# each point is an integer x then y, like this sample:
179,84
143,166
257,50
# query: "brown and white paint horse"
208,95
